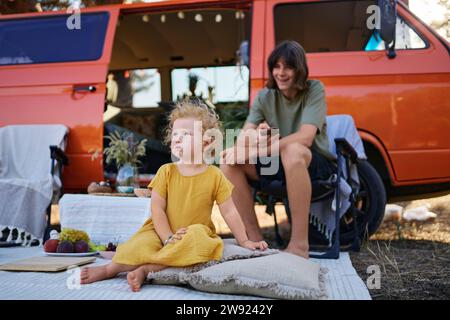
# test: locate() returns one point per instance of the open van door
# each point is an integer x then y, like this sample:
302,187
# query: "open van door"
53,69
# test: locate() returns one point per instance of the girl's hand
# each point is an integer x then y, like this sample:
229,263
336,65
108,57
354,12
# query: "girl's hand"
178,235
252,245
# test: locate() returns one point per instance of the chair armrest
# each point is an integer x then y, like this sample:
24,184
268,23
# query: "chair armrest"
343,146
58,154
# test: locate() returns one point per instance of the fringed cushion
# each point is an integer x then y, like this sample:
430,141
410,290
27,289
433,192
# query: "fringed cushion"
231,251
278,276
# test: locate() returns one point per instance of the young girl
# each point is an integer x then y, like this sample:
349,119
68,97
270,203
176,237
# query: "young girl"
180,231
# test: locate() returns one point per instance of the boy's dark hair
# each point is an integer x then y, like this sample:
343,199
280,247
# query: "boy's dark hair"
294,56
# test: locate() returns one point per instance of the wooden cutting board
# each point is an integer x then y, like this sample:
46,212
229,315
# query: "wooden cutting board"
46,264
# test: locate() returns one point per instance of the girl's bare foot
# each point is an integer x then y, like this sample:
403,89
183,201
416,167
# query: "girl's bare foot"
136,278
92,274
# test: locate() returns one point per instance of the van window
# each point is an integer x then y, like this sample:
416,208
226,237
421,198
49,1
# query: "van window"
405,38
48,39
336,26
134,88
217,84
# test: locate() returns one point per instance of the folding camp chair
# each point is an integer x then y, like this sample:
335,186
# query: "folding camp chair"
29,180
344,143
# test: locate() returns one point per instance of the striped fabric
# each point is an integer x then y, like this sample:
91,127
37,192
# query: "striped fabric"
105,219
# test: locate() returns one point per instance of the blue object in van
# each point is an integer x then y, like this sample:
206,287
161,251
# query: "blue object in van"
374,42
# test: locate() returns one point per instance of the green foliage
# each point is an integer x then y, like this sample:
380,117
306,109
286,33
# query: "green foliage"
123,149
233,116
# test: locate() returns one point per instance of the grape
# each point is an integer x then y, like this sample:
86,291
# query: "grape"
73,235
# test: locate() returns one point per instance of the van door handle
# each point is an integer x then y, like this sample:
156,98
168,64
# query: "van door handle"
84,89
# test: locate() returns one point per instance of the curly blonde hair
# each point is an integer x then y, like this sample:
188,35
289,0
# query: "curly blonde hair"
193,109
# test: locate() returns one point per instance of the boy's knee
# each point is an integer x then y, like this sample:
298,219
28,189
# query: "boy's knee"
296,154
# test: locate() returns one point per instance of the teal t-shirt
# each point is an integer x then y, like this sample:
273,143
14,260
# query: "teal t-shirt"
309,107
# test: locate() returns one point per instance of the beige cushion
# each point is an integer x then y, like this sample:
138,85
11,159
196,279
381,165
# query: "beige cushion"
280,276
231,251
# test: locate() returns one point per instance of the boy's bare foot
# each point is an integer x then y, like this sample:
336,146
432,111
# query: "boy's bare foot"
297,250
136,278
92,274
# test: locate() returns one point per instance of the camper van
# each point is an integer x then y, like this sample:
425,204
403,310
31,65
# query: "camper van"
93,71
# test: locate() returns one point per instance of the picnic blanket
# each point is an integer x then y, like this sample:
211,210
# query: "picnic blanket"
121,217
26,184
342,282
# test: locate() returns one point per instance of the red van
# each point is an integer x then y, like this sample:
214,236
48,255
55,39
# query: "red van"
54,69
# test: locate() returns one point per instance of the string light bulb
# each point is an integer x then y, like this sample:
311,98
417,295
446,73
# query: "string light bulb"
218,18
198,17
145,18
180,14
239,15
163,18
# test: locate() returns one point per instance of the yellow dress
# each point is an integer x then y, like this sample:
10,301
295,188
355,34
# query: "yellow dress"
189,204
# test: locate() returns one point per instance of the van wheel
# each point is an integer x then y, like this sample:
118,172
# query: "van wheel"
370,205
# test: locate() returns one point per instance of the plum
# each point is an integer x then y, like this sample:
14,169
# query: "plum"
111,247
81,246
65,247
51,245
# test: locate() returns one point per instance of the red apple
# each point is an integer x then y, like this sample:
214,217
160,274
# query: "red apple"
51,245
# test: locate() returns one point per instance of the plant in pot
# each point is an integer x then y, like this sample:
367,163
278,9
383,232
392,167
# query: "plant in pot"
125,152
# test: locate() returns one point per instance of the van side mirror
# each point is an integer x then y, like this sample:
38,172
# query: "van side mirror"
388,20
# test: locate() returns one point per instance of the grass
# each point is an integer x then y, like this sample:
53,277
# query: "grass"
410,269
416,266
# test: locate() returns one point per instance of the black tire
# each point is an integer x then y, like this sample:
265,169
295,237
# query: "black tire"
370,202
